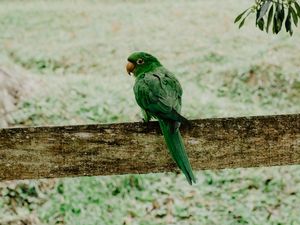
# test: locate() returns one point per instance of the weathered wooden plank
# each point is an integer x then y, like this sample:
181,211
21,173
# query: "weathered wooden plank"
106,149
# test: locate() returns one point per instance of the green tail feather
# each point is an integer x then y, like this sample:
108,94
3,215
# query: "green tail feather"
177,150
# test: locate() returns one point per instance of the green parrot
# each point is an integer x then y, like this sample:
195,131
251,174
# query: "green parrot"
158,93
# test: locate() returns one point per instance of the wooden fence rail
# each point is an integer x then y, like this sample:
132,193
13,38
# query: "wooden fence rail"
106,149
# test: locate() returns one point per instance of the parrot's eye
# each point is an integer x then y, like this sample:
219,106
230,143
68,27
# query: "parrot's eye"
140,61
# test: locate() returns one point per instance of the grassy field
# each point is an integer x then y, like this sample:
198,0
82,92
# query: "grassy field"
78,51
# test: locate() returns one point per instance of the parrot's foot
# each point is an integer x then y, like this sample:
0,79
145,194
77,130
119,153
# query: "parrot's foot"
145,120
146,124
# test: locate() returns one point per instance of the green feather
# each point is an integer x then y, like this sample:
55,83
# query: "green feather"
176,147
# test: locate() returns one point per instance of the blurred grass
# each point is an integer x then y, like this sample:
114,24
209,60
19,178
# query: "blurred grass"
79,48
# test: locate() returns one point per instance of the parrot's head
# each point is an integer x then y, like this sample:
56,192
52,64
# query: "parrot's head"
141,62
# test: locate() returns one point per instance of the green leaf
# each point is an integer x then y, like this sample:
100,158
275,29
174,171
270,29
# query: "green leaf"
257,15
297,6
240,16
288,22
281,12
261,24
278,18
270,16
294,14
275,31
276,25
264,8
242,23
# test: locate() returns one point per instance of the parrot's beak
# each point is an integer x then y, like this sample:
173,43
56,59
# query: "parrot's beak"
130,67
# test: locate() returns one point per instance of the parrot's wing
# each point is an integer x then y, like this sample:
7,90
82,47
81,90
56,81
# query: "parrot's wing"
160,94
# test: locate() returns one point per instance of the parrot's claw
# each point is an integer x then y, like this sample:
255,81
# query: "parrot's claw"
146,124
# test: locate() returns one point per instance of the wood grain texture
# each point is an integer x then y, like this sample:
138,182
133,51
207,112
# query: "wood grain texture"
106,149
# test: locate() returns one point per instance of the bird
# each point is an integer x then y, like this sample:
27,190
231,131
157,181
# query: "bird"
159,94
